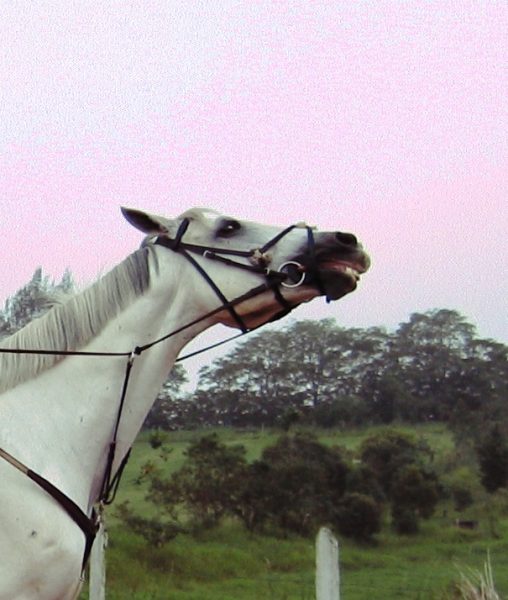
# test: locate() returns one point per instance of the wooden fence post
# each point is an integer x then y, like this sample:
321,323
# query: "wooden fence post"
327,566
97,586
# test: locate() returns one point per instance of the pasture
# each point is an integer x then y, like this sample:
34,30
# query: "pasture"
227,563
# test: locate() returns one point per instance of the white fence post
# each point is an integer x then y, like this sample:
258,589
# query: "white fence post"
327,566
97,586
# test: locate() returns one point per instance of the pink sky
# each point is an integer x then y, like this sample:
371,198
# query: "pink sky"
387,119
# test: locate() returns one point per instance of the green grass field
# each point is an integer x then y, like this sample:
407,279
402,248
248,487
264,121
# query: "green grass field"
227,563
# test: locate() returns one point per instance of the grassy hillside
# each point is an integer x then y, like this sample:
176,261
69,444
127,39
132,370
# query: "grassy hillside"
229,564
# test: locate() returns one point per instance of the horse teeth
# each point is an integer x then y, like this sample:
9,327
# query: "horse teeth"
352,272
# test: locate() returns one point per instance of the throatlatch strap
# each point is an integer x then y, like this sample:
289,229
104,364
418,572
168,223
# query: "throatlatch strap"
227,305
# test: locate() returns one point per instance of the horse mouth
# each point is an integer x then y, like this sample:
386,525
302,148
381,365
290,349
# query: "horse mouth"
331,276
351,270
337,277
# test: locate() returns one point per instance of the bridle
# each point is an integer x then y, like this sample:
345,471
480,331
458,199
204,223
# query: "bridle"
290,274
284,276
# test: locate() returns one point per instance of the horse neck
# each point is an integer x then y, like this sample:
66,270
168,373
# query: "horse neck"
70,410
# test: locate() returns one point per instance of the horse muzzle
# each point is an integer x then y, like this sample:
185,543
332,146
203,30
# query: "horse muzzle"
330,262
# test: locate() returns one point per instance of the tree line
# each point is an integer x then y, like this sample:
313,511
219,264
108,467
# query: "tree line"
433,367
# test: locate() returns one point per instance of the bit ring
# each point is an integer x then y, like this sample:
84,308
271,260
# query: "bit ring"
299,268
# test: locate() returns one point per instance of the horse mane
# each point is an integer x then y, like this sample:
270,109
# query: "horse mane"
72,324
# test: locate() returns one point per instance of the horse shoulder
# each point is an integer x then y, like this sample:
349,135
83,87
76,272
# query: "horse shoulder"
45,546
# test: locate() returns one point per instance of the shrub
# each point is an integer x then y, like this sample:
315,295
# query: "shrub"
404,520
363,480
358,516
295,486
156,439
462,497
400,465
387,452
208,484
155,531
493,458
416,489
462,485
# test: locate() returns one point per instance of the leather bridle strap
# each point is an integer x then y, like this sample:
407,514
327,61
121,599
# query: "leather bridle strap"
220,254
109,483
88,526
274,278
240,322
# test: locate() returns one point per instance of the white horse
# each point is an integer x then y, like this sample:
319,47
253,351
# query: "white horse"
60,413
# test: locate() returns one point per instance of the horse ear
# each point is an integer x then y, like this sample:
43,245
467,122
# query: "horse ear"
145,222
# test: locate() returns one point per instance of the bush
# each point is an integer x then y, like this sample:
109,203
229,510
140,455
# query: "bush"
363,480
294,486
493,459
155,531
416,489
462,497
208,484
387,452
401,468
358,516
156,439
404,520
462,485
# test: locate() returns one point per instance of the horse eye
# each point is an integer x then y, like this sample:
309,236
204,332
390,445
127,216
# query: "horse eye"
228,228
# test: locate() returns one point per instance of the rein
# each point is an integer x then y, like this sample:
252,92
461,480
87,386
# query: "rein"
90,524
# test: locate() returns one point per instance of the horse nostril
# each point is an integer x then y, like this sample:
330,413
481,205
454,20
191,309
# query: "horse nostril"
348,239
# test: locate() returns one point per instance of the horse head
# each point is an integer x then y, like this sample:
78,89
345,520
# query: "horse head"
296,264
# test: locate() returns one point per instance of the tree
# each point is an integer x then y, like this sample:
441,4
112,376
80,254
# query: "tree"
207,486
401,467
166,411
432,368
481,391
295,486
415,493
32,300
154,530
358,516
249,386
386,453
428,354
29,302
493,459
391,400
341,411
67,284
314,367
363,480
